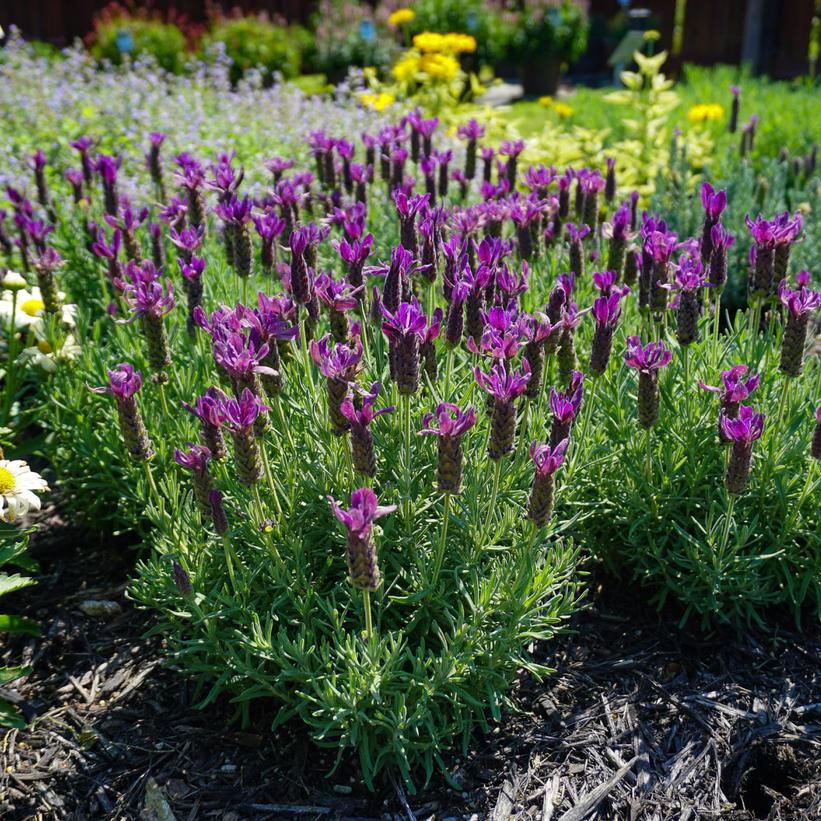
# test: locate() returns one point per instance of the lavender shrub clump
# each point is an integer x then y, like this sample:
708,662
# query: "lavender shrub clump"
356,262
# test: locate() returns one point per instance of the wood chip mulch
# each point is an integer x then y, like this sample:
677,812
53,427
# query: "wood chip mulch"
641,721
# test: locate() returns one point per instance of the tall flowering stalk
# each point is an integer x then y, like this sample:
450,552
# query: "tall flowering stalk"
339,297
564,406
340,365
124,383
546,461
713,204
617,231
504,385
196,458
153,161
800,305
688,284
741,432
471,132
192,279
735,387
150,301
537,331
363,563
453,424
648,361
239,416
405,329
606,313
359,418
208,409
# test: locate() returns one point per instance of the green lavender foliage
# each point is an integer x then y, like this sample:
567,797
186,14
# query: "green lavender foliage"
13,557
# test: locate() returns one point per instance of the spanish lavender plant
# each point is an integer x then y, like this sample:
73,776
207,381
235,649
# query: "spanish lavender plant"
741,432
565,406
340,365
196,459
124,383
800,305
546,461
505,385
360,418
648,361
239,417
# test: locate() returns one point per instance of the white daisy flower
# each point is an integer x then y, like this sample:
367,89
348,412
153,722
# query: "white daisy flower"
43,354
18,483
29,308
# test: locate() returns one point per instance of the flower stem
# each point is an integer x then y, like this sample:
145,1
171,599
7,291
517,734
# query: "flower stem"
8,399
406,418
725,534
496,476
366,600
230,559
163,400
648,456
270,478
440,554
346,446
448,372
150,479
716,325
303,344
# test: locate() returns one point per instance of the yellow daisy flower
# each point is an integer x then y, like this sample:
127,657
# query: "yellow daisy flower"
401,16
18,485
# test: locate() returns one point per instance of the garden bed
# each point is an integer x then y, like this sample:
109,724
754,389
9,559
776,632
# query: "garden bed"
712,726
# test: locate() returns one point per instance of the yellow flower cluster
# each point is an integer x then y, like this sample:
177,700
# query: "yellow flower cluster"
561,110
705,111
432,42
401,16
378,102
440,66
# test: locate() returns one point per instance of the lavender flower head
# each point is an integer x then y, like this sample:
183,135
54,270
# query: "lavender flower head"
547,460
363,567
505,385
360,418
800,305
124,383
453,424
565,406
741,432
648,361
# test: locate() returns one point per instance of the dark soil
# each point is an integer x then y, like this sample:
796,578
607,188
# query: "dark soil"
641,720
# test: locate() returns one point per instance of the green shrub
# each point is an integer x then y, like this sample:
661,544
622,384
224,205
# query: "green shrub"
483,20
347,34
118,34
13,545
258,42
548,28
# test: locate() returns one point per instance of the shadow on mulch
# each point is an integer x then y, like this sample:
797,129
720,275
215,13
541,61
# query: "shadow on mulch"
641,720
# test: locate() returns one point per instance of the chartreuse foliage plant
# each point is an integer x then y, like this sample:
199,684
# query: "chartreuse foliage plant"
367,399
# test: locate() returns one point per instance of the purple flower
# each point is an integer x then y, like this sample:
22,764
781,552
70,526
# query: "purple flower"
737,386
362,417
470,130
452,422
799,303
123,382
647,359
713,202
564,405
363,512
503,383
745,428
195,458
339,362
406,320
547,459
149,297
240,414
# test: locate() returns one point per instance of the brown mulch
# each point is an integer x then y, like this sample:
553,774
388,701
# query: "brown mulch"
641,721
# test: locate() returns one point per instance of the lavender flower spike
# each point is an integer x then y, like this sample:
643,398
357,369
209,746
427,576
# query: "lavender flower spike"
504,386
737,386
742,432
565,408
815,448
196,459
647,361
546,460
453,424
124,383
363,566
800,305
240,416
364,458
